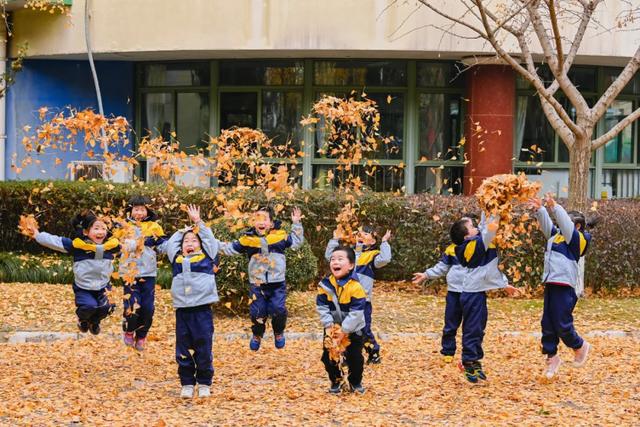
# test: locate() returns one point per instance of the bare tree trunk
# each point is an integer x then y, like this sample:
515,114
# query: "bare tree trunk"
579,160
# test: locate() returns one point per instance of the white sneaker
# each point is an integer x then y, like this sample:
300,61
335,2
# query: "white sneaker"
186,392
204,391
581,355
553,366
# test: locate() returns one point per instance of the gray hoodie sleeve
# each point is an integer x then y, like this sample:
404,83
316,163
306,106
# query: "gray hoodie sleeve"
331,245
564,222
209,243
546,225
384,257
488,235
324,310
297,236
439,270
174,245
52,241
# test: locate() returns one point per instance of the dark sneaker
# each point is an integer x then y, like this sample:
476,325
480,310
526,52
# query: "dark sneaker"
254,343
279,341
335,388
479,371
83,326
358,388
374,357
94,328
470,372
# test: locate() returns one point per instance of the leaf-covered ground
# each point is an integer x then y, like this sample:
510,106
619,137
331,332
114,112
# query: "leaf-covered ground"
97,381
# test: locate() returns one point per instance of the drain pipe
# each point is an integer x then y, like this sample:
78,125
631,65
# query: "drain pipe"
96,83
3,105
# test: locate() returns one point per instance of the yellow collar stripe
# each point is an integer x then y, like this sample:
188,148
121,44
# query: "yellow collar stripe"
194,258
583,244
470,250
451,250
151,229
351,289
367,257
110,244
273,237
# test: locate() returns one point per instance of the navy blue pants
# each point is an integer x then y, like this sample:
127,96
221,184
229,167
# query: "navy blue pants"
194,333
557,319
474,321
268,299
139,306
352,357
452,321
92,306
369,338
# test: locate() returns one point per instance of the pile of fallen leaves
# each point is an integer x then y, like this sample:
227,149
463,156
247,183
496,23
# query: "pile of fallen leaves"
497,196
336,342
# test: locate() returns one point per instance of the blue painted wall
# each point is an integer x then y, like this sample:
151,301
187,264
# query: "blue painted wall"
58,84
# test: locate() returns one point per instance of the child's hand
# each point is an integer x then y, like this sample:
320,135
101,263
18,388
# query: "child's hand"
340,334
535,203
296,215
548,200
386,236
493,226
512,291
194,213
337,235
419,278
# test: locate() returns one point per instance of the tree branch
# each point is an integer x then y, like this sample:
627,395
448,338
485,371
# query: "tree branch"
619,127
616,87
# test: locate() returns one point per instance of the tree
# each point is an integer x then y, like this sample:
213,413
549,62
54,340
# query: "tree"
515,30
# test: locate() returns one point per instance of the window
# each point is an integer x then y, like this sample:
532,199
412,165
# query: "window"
261,73
440,126
439,74
360,73
535,138
439,180
176,74
238,109
619,149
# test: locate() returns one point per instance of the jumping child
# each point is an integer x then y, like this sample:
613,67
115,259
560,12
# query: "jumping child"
566,244
93,251
265,244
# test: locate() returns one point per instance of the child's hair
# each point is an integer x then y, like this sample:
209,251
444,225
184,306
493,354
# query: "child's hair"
458,231
268,210
141,200
83,221
578,218
368,229
351,254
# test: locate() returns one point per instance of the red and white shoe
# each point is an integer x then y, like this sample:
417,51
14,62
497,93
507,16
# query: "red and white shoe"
128,339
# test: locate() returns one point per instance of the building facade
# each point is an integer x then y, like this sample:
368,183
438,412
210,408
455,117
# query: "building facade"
195,67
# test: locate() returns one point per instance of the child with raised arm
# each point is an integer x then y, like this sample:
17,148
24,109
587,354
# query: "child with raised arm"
566,244
93,251
450,267
139,268
341,301
475,251
265,244
369,258
192,252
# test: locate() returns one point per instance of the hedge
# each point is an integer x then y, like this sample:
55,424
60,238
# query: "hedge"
419,224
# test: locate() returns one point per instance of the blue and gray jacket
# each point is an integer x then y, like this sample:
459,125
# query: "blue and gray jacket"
194,280
480,256
565,247
341,301
449,266
144,263
267,260
368,260
92,263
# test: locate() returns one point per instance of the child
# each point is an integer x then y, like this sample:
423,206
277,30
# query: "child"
264,244
475,251
140,264
192,252
455,273
341,300
93,252
369,258
566,244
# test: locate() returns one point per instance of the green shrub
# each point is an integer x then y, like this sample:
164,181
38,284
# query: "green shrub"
420,226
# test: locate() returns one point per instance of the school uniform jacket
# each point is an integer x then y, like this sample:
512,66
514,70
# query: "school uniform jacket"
480,256
451,267
92,263
368,260
565,247
144,264
341,301
194,280
266,253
